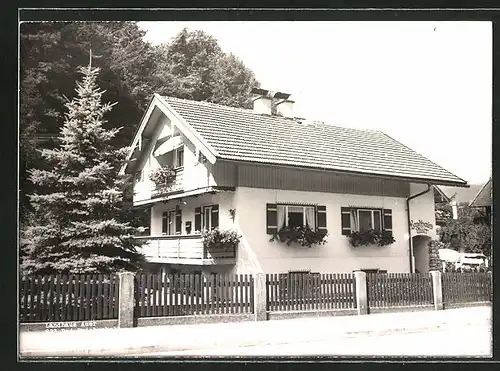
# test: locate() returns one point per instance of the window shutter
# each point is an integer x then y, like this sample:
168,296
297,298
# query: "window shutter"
197,219
271,219
215,216
387,226
321,217
164,222
346,220
178,221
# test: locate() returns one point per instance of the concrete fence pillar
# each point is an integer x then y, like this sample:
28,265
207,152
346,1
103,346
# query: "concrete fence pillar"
361,292
437,290
126,300
260,301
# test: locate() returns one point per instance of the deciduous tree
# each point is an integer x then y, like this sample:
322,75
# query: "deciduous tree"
472,235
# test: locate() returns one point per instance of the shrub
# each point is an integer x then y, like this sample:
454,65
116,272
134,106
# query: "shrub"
304,236
216,238
370,237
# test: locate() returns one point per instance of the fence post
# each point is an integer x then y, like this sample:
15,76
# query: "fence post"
259,302
126,300
437,290
361,292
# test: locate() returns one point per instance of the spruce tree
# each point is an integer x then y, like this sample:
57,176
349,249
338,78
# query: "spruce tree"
80,221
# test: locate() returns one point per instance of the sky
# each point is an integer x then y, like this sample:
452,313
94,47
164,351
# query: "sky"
426,84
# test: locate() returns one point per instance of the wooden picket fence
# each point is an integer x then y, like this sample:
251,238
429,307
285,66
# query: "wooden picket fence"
95,297
399,289
68,298
160,295
467,287
296,292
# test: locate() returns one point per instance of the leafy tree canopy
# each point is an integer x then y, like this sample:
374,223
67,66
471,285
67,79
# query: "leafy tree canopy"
193,66
467,232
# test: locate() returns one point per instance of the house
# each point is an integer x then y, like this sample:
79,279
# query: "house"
483,201
258,171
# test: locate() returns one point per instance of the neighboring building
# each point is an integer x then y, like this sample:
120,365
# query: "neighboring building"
483,201
253,172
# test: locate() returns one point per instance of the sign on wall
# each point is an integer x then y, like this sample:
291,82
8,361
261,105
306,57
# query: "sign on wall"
420,226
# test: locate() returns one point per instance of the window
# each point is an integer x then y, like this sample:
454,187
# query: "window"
362,219
171,222
179,157
282,215
369,219
296,216
206,217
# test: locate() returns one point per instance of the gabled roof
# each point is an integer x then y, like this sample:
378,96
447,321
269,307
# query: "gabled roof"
483,197
244,135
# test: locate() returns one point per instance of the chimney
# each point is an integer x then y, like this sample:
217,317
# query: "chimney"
272,103
285,108
263,104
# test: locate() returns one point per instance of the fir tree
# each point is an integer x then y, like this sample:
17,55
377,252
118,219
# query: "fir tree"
81,224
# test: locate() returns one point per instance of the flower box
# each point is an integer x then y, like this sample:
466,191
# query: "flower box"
304,236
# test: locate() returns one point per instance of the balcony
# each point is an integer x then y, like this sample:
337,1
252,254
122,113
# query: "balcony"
184,249
169,187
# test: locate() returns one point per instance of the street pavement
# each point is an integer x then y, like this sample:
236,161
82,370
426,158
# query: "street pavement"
464,341
263,334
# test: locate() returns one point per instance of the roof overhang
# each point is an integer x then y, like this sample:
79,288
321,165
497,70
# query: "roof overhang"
149,120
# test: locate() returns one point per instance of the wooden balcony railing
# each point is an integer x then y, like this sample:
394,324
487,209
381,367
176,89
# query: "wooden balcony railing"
170,187
184,249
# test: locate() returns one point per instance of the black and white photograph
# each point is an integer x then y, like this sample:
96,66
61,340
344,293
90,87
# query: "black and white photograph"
262,189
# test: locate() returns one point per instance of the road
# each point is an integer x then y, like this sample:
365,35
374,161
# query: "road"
473,341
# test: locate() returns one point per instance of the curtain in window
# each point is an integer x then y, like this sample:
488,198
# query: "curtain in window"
280,216
310,217
354,221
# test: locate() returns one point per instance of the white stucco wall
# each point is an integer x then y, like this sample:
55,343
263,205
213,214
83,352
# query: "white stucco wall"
422,208
195,175
336,255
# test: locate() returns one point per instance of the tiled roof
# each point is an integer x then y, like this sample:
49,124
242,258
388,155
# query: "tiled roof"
483,198
244,135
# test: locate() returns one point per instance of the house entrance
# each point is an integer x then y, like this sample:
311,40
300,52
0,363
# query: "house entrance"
421,253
